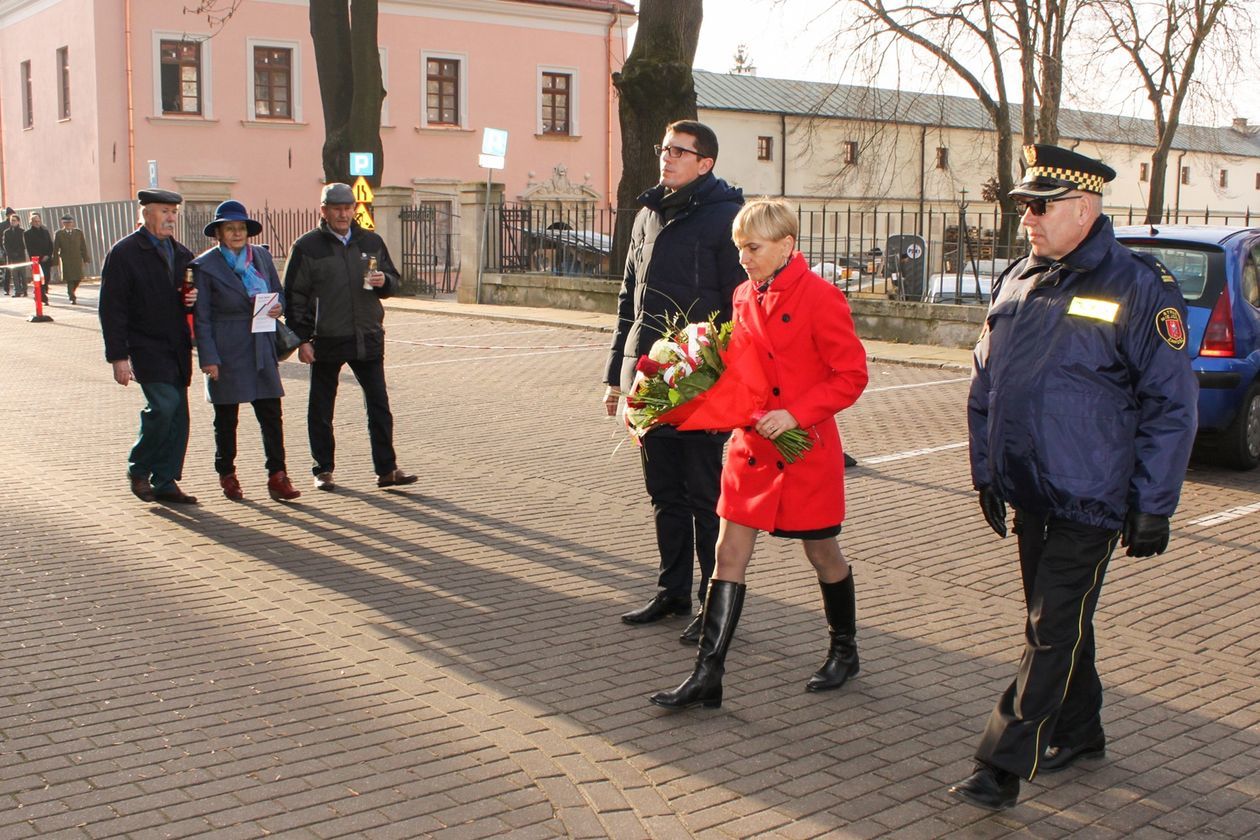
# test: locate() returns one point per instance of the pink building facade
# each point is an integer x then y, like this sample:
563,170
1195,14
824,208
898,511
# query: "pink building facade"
101,97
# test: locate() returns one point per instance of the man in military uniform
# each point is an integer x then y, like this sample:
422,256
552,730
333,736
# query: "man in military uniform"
1082,413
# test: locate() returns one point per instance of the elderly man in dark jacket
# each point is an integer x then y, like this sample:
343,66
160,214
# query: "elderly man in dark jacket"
681,260
39,244
334,281
144,319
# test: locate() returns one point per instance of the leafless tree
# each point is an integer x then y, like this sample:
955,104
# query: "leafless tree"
348,65
655,88
1164,41
216,12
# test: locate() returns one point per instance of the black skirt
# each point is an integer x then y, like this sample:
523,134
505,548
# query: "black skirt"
816,534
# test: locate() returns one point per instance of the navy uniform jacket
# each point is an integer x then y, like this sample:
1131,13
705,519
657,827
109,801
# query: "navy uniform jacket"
142,312
1082,402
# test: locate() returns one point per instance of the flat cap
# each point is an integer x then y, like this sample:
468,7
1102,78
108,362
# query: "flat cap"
159,197
67,218
1053,171
337,193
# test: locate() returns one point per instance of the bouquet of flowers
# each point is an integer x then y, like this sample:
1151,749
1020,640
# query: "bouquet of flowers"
692,379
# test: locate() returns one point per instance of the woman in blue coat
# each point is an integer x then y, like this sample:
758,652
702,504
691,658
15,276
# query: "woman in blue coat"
240,365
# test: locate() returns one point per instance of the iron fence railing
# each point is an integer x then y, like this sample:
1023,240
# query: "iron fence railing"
429,260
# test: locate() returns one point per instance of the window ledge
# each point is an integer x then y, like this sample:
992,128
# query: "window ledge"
167,120
63,119
560,137
289,124
443,129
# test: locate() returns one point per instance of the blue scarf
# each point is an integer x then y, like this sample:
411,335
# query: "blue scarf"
243,265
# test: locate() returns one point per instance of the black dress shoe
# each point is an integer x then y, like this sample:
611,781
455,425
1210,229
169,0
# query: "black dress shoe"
988,787
395,478
1061,758
691,636
662,606
174,496
141,487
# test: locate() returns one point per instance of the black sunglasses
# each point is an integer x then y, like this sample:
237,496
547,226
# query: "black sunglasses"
675,152
1038,205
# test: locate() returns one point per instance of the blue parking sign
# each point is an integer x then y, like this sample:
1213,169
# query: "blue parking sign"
361,163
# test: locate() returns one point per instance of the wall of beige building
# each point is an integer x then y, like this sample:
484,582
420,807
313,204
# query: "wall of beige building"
901,166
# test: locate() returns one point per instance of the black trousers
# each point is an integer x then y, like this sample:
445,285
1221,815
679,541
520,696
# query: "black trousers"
1056,699
683,472
319,415
269,421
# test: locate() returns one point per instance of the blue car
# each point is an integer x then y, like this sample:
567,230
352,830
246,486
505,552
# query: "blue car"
1218,269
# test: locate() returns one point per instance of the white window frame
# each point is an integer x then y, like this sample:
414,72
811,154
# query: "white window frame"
462,58
295,79
207,74
574,89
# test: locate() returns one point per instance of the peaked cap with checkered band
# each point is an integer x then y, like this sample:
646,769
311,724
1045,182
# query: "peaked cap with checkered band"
1053,171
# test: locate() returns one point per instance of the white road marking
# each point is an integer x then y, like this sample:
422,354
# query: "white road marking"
1224,516
492,358
911,453
916,385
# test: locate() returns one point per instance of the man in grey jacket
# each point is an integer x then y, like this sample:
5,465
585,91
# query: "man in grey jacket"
334,281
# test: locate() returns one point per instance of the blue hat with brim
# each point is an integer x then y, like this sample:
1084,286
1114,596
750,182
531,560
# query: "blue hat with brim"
233,211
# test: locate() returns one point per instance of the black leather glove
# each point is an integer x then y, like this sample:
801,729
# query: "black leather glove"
1145,534
994,508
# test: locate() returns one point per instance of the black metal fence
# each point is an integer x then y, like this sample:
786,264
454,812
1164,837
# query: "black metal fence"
429,263
939,255
280,227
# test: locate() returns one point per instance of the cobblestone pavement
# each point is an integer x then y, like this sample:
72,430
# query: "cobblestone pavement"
446,660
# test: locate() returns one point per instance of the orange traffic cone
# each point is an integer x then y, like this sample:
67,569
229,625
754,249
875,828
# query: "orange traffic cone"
37,280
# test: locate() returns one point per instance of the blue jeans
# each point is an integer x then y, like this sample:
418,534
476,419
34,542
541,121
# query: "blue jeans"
158,453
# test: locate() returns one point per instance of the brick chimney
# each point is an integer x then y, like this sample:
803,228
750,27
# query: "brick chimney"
1240,125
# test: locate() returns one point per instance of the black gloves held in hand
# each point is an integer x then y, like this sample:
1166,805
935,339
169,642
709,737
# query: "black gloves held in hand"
1145,534
994,508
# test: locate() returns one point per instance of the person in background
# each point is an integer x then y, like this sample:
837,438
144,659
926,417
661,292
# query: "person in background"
14,242
800,328
1082,414
681,262
39,244
333,302
144,320
240,365
70,250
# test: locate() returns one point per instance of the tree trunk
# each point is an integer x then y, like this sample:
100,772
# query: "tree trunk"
1159,174
348,66
655,88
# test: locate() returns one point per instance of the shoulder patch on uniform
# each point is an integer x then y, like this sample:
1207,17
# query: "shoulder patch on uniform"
1170,327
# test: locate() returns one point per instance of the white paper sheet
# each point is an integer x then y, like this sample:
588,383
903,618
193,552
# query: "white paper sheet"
262,305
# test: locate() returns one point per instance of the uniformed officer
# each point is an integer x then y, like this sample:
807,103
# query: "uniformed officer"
1081,414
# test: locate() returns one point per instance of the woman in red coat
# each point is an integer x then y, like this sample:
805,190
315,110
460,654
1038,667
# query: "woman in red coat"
800,327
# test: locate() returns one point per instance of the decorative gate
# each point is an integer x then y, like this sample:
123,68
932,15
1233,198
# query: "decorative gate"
427,252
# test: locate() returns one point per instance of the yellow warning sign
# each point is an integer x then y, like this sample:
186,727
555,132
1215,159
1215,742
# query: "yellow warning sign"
363,217
363,191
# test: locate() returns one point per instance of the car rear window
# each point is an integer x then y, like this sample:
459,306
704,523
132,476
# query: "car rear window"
1191,266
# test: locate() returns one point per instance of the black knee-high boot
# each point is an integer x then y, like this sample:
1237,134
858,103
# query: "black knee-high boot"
721,613
840,606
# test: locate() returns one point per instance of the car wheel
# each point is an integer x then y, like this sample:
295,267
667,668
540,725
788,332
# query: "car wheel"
1241,443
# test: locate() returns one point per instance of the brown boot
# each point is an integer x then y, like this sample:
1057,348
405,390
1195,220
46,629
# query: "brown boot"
231,487
280,488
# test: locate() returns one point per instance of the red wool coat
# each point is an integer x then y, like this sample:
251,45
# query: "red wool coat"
803,333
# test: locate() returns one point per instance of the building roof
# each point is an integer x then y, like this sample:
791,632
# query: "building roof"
729,92
619,6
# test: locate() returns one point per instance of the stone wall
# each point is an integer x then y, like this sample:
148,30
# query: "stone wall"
940,325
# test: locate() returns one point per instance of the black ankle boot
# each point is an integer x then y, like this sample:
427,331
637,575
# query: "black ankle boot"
721,612
842,660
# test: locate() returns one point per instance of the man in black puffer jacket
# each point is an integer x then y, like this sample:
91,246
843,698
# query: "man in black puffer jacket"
332,294
681,260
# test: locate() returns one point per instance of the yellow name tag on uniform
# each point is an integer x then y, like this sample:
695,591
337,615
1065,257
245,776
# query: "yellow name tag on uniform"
1102,310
